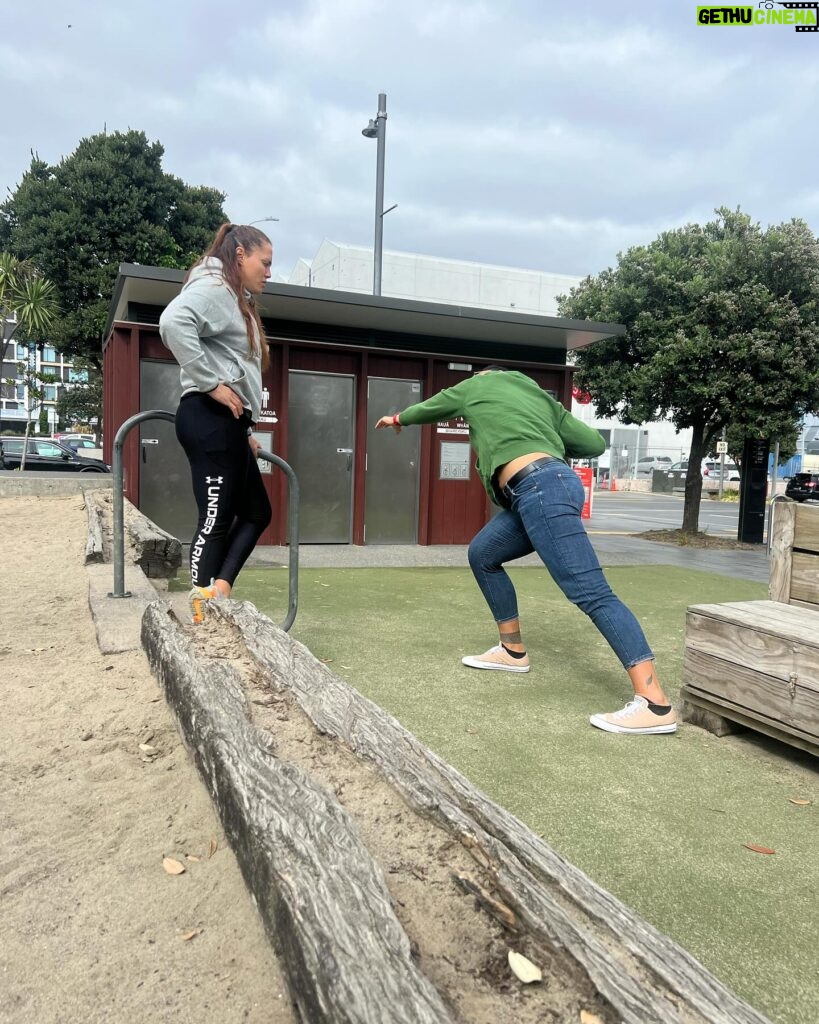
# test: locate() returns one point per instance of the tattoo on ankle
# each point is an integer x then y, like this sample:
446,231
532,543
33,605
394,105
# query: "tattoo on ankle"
511,638
649,682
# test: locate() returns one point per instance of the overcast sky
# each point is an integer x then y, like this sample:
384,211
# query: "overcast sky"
531,134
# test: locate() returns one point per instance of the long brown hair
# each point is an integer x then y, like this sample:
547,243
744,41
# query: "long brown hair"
223,247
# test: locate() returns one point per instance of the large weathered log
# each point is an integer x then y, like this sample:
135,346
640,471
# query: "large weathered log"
644,976
156,552
94,547
323,899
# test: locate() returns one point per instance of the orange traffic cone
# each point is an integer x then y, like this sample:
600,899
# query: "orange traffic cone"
613,485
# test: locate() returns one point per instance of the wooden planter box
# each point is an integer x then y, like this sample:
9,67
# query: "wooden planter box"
756,663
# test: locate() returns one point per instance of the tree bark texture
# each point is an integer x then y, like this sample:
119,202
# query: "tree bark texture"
641,973
322,898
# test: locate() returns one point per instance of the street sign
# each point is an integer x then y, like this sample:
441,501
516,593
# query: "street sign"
587,479
722,447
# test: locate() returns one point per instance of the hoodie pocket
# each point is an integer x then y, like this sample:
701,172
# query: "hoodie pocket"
237,372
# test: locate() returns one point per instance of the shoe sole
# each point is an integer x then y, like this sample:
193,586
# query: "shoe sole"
470,663
651,730
197,609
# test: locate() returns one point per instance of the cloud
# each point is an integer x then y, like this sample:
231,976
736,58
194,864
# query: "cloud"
521,133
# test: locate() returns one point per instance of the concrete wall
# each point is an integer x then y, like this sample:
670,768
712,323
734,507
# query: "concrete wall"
13,483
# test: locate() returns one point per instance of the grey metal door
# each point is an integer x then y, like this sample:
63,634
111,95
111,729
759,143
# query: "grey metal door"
165,493
391,499
321,436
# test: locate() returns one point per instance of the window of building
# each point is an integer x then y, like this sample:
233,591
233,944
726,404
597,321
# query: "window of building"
49,354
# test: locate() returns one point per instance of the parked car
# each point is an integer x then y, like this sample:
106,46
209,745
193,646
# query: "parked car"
77,444
803,487
73,435
651,462
47,455
710,469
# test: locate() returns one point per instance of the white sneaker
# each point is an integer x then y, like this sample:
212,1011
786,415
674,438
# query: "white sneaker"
498,659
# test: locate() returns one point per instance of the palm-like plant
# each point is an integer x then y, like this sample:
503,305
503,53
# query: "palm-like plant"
27,301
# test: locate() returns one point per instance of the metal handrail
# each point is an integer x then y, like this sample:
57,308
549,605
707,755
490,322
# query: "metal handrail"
776,498
119,590
292,534
119,495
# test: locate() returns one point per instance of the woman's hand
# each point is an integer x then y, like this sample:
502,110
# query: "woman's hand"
227,396
388,421
255,446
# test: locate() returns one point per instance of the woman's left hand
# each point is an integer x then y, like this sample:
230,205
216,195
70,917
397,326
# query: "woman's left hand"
255,446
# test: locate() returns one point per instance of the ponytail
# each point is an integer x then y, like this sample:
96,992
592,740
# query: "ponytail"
223,247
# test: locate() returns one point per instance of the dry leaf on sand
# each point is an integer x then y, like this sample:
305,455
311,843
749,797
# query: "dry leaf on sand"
173,867
523,969
758,849
589,1018
799,801
190,935
214,846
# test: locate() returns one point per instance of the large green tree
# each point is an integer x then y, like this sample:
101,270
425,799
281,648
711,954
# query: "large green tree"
722,331
107,203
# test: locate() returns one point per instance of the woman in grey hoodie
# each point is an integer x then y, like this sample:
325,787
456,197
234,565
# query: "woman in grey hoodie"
214,331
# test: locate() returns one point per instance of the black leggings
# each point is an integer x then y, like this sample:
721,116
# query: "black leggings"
233,506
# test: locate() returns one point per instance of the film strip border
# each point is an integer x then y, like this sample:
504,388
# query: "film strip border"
803,7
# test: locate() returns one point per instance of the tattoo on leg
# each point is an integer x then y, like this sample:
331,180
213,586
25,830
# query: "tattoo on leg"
650,681
511,638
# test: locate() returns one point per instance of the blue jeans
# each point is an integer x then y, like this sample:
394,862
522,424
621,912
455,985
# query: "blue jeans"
545,517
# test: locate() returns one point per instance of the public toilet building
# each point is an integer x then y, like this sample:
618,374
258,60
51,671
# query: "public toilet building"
339,360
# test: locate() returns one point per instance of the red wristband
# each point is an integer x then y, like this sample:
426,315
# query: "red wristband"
395,421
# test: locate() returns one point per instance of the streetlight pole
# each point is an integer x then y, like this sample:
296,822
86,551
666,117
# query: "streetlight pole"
377,129
261,220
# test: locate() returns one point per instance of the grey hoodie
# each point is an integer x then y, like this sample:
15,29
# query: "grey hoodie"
204,328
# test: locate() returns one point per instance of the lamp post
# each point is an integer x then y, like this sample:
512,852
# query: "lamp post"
377,129
261,220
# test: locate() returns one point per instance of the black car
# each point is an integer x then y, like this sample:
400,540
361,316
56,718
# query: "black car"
803,486
45,455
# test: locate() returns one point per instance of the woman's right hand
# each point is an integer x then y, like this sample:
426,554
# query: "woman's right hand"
388,421
227,396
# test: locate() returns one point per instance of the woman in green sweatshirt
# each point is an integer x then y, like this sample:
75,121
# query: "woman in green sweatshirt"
522,437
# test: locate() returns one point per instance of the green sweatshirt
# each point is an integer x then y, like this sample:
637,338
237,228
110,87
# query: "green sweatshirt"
509,415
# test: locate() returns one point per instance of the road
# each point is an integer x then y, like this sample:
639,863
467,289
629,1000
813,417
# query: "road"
626,512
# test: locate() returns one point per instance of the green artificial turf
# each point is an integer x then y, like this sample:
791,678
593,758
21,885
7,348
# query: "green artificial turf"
660,821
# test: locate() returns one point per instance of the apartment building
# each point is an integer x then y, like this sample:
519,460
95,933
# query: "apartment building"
13,392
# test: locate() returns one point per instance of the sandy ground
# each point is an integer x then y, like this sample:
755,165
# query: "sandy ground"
95,791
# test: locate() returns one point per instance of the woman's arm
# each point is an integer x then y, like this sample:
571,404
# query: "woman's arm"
182,326
443,406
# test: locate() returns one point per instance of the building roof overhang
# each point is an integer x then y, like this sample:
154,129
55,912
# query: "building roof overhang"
156,286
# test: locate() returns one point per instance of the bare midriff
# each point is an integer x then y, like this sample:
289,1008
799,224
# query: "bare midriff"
509,470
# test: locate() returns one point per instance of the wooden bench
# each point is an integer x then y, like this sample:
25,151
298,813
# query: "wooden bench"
755,664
